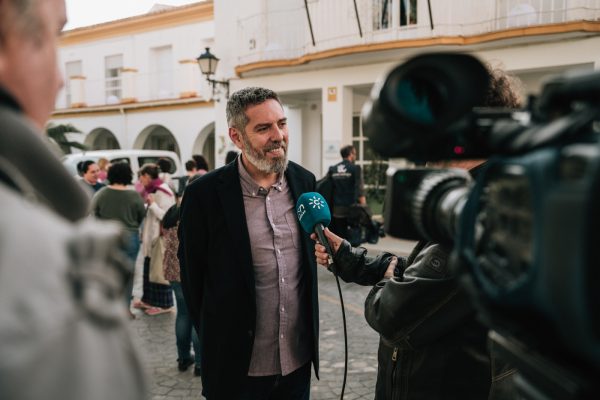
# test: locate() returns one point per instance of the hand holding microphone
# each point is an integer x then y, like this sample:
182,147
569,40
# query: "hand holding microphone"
320,251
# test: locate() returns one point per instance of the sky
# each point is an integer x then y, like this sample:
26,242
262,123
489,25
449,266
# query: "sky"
89,12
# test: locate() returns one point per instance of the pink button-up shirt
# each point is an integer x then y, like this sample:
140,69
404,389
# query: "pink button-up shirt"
283,340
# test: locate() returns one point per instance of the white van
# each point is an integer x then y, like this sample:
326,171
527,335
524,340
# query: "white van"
135,158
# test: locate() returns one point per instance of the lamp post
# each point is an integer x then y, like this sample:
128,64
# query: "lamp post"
208,65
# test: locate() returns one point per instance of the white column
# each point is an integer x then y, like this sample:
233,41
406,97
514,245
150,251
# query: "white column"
189,73
77,89
222,141
128,94
337,123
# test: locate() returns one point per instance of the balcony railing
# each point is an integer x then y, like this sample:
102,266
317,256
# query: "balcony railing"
283,33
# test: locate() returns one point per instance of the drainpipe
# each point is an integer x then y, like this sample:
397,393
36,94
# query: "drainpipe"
430,16
312,35
357,19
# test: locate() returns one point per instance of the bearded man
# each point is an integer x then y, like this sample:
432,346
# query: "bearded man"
247,269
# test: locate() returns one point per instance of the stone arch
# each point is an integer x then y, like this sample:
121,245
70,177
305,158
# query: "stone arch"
101,139
156,137
205,144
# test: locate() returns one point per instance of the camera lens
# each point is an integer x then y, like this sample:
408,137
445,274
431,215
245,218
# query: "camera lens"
438,202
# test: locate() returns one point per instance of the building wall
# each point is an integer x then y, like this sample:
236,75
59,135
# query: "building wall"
185,124
322,94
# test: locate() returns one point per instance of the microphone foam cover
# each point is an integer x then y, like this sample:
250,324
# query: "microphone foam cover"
312,209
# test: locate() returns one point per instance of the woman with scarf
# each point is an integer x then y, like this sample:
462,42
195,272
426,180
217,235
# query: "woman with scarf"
157,298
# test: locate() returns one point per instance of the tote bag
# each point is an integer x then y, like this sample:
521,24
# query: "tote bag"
157,254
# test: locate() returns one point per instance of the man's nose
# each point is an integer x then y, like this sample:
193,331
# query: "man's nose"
277,134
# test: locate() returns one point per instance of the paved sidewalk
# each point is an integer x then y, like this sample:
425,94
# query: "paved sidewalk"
156,337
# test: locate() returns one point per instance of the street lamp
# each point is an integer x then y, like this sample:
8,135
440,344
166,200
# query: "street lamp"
208,65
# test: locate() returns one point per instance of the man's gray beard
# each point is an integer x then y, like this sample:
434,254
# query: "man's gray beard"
261,162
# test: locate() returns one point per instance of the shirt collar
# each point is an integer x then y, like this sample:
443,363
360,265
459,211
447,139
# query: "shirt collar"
251,186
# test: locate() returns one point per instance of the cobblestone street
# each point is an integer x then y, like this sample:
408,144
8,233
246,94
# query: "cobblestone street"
157,340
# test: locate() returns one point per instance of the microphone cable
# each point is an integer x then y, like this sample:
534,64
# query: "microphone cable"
337,280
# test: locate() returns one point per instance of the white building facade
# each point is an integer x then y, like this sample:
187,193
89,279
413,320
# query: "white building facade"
321,56
135,83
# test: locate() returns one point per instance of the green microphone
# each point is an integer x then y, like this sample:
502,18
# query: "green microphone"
314,215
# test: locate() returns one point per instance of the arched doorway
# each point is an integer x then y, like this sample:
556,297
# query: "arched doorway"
156,137
101,139
205,144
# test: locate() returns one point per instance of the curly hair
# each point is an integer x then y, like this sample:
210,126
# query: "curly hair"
241,100
120,173
504,90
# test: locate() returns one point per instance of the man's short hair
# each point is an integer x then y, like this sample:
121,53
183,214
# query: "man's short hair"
190,165
241,100
346,151
120,173
20,17
149,169
230,156
164,165
200,161
83,166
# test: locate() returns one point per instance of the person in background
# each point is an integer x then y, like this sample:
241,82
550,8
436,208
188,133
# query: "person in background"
185,333
230,156
190,172
248,274
119,202
88,170
157,298
103,165
165,166
347,185
201,164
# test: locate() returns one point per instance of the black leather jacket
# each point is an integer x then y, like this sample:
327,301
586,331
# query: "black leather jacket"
431,346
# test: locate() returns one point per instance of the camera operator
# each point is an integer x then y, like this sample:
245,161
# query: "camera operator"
431,345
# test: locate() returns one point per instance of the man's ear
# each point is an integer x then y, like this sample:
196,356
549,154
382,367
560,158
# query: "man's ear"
234,135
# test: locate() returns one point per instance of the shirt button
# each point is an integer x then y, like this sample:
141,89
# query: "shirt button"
278,251
281,336
282,309
282,279
268,199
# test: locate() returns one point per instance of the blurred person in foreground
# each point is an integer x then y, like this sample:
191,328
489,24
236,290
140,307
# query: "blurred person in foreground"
63,333
247,269
431,344
119,202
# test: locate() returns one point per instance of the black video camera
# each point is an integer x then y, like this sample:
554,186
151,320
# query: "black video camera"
523,228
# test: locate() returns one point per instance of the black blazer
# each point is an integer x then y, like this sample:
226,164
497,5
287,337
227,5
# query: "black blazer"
217,275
